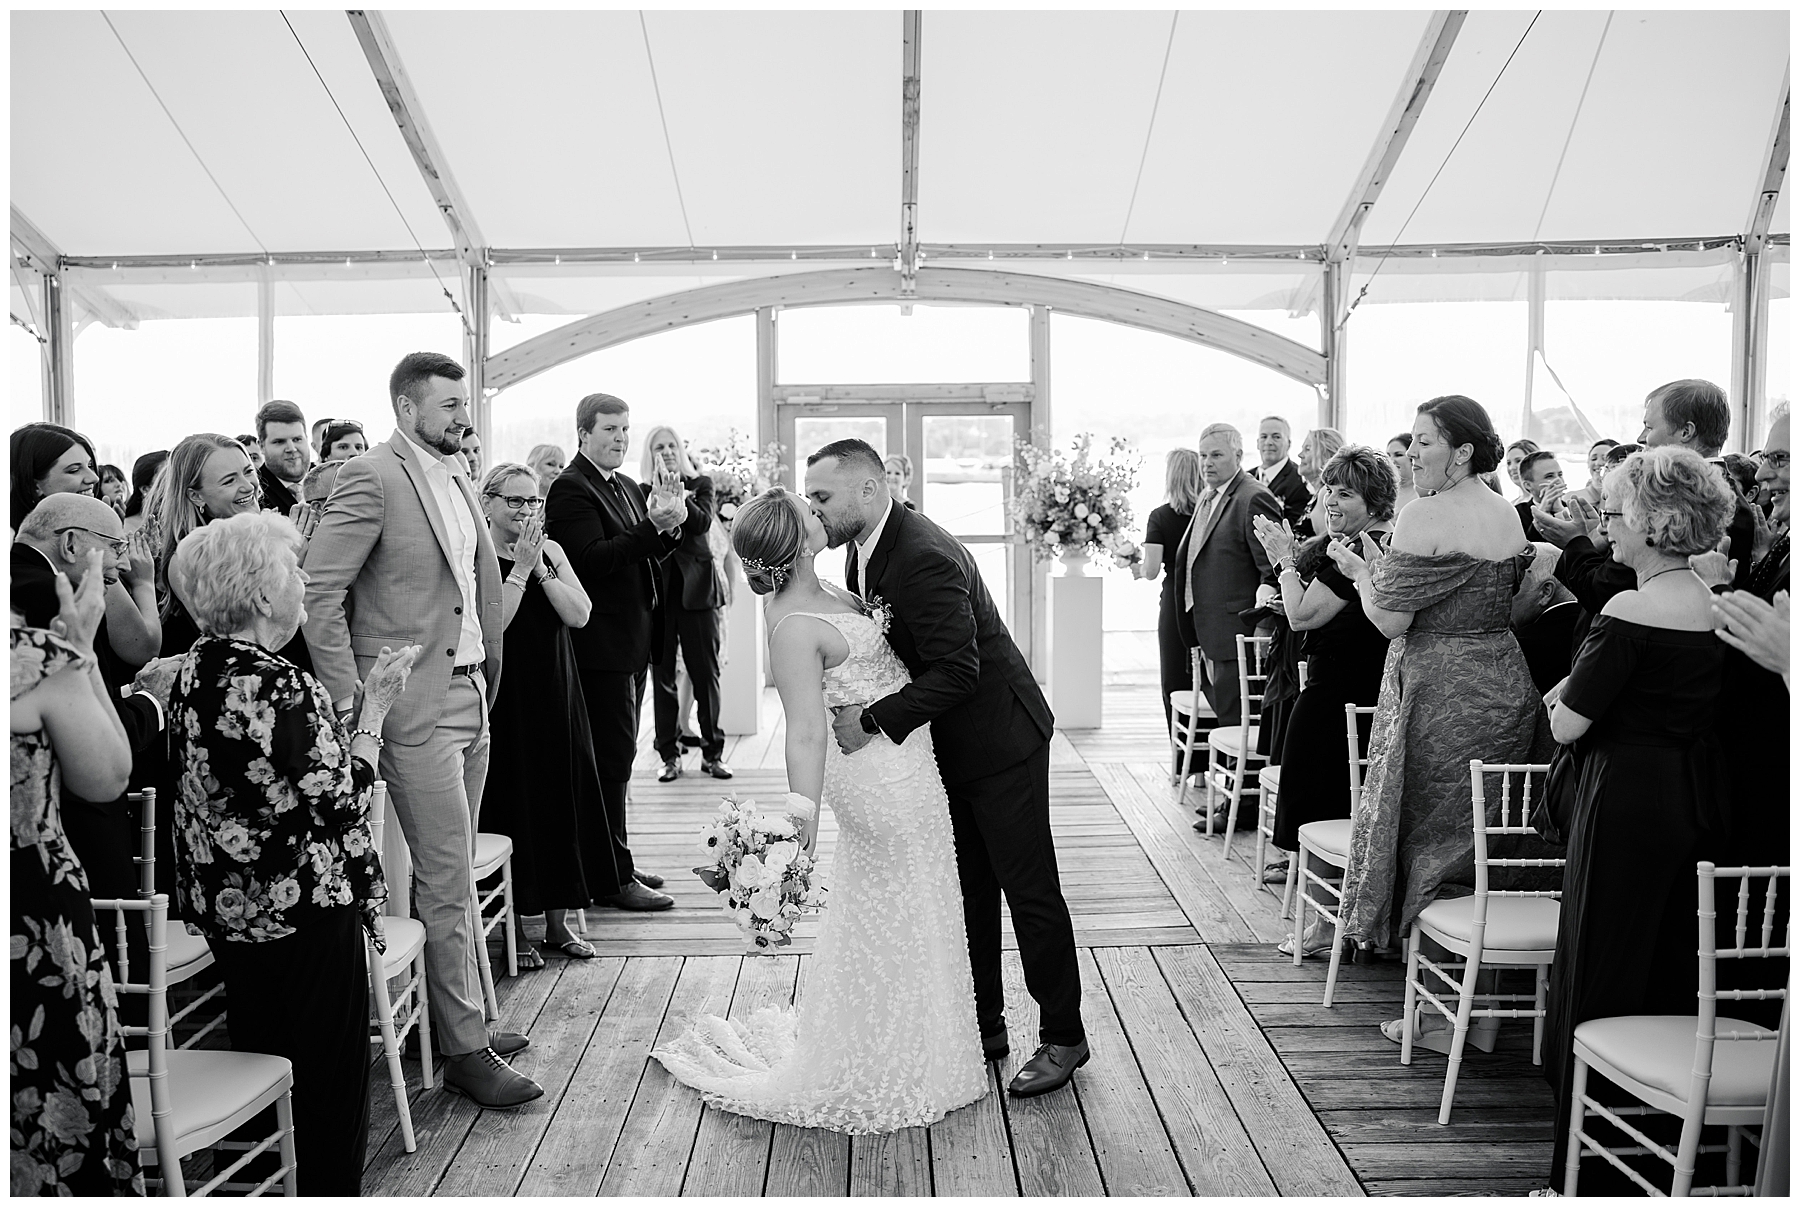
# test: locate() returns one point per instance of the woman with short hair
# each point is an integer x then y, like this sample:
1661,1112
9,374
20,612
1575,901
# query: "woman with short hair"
274,859
899,469
1650,788
543,787
546,461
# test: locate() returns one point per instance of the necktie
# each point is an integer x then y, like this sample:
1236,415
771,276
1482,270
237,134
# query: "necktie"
852,578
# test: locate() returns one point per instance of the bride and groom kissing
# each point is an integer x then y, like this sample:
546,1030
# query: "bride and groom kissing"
912,714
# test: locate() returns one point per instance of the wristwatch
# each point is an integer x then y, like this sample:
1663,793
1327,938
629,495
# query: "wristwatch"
868,723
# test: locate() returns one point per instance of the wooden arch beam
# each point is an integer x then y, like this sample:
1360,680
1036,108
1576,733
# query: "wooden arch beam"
851,286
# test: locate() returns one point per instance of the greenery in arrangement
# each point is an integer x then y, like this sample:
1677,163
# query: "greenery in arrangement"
738,471
1076,501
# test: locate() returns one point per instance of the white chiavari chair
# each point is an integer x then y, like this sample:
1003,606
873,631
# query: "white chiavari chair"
1231,749
188,955
186,1100
493,853
398,1015
1328,843
1268,793
1494,928
1190,716
1704,1069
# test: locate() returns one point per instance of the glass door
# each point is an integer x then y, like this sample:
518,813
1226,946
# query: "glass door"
806,427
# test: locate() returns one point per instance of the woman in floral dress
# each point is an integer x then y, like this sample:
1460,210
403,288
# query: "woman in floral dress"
72,1122
273,855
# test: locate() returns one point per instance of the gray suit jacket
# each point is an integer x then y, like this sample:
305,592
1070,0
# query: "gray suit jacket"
1230,566
379,565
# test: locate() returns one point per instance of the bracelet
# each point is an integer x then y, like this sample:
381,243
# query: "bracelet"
380,742
513,580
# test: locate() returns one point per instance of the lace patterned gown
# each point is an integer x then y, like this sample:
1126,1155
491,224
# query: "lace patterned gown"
884,1036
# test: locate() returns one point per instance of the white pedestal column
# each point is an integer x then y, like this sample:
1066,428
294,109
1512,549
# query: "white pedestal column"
1075,650
741,678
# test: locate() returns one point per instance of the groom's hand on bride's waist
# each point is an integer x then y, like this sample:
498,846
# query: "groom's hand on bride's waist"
846,724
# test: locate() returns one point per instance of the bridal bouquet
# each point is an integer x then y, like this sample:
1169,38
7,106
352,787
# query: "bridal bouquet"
1074,503
765,879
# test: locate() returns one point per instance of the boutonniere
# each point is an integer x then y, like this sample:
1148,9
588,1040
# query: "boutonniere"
876,609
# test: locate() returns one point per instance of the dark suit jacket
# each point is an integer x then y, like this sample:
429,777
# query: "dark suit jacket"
970,682
34,595
1290,488
692,567
1230,566
615,550
276,494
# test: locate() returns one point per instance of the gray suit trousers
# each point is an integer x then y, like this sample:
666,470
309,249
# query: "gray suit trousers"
436,788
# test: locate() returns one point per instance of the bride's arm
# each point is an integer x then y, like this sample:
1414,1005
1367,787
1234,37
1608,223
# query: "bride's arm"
797,660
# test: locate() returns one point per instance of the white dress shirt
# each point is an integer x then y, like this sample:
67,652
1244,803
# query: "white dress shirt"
865,545
461,535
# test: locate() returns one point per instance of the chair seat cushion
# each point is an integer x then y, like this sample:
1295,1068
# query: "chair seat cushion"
491,850
1327,837
188,954
207,1091
405,937
1657,1050
1182,702
1513,923
1271,779
1229,739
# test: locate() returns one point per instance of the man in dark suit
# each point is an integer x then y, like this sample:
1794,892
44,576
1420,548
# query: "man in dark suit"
1224,570
1276,472
281,431
56,538
991,728
615,537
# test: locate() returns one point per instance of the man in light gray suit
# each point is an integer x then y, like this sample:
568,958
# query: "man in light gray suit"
401,557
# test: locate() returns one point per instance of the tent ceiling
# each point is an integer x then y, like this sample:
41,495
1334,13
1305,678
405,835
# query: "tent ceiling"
702,129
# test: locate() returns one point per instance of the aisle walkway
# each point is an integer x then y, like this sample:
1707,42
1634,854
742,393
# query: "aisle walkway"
1215,1070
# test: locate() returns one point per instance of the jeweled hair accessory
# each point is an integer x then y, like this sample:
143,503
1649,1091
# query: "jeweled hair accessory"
778,574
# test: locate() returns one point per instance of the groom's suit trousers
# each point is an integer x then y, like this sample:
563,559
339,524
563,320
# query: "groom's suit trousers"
1004,845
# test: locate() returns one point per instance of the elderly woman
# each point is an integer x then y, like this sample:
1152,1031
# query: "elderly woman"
1649,796
1344,652
273,855
546,461
899,470
543,788
692,591
1163,531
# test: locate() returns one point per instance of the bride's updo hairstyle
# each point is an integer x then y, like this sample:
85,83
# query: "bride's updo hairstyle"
769,535
1465,421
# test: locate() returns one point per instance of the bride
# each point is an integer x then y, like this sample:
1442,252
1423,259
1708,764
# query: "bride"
885,1035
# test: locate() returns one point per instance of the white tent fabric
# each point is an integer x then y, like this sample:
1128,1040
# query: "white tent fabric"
264,134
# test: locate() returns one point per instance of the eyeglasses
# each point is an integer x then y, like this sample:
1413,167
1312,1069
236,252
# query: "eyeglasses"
518,502
1776,460
1612,515
117,544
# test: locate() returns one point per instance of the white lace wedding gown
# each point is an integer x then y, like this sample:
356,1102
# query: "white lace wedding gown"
885,1034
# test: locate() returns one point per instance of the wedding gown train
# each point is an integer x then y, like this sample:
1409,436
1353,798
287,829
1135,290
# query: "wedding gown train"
884,1036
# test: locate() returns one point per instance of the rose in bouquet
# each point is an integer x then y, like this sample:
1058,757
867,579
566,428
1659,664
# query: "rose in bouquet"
1076,501
1127,554
765,877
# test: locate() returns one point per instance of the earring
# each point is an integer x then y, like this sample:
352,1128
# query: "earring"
1650,541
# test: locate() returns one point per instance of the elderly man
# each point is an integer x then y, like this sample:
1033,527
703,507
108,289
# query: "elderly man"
1546,619
400,558
57,537
281,434
1225,574
1280,475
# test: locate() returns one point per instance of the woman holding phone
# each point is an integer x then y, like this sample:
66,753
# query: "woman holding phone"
692,592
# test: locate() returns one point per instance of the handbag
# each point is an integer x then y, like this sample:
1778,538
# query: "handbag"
1551,815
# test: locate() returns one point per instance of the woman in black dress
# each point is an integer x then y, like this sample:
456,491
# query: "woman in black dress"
1162,536
691,592
1650,790
1344,652
543,788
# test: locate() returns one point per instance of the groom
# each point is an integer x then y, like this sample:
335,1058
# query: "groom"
991,729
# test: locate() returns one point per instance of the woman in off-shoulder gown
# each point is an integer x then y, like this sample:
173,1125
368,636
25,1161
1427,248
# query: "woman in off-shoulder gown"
884,1037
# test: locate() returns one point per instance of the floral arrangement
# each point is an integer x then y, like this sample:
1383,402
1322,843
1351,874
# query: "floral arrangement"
1074,502
765,878
739,472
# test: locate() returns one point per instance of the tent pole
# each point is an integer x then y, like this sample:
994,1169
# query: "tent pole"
265,336
1750,291
475,351
768,429
1534,342
59,382
1037,577
1333,408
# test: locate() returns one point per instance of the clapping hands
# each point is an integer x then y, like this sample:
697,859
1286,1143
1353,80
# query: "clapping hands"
83,607
1278,540
1356,569
385,681
1744,622
668,503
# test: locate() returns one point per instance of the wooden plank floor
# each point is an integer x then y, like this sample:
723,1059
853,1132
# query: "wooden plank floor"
1214,1070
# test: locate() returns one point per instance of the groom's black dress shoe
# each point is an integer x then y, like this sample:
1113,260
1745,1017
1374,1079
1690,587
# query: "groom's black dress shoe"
995,1047
1049,1068
648,880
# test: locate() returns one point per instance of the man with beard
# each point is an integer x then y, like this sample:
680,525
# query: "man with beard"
281,433
403,555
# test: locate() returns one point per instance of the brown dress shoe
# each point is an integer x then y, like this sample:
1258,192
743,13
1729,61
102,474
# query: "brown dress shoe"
1049,1068
489,1081
635,896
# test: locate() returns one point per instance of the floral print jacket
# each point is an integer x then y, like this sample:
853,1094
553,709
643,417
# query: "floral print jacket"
271,812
